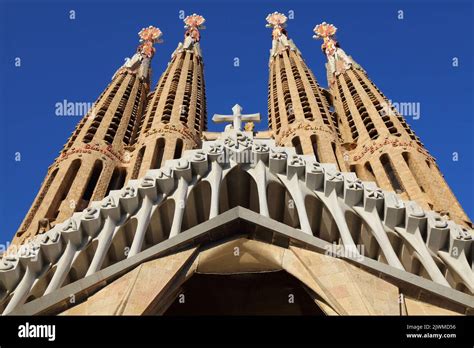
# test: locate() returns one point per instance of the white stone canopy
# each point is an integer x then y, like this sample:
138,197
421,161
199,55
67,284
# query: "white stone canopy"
238,170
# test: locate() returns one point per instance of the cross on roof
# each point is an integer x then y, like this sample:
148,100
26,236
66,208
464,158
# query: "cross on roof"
236,118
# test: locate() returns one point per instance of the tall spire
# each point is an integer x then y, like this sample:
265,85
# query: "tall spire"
298,109
379,144
175,115
94,159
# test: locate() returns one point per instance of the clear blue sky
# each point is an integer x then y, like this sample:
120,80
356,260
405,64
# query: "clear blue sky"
410,60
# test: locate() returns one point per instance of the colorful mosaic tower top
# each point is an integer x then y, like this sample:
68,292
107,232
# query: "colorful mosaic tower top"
148,37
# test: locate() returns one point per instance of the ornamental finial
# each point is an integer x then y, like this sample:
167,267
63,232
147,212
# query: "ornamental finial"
276,21
148,37
192,25
338,60
326,32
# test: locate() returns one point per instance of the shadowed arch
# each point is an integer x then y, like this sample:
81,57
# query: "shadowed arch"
40,286
63,190
238,189
117,180
197,205
160,224
321,221
362,235
121,242
81,263
296,142
411,262
281,206
158,152
264,293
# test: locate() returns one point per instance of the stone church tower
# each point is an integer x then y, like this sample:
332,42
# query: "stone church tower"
377,141
298,110
337,206
175,115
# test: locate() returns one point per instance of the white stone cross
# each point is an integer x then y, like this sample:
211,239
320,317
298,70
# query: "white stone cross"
236,118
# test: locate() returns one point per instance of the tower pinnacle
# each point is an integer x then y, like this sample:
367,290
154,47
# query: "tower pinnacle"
280,41
192,35
148,37
140,62
338,60
175,115
192,25
298,108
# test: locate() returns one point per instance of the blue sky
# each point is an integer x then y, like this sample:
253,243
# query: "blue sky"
410,60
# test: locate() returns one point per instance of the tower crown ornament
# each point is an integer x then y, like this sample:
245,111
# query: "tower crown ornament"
338,60
192,35
148,37
192,25
326,32
150,34
139,63
277,21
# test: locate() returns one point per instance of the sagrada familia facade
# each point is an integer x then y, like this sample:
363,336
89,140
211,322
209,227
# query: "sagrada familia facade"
336,209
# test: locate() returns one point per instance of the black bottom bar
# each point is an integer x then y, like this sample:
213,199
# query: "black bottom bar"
314,330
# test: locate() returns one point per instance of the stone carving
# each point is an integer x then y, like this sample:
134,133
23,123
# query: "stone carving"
260,147
249,127
216,149
297,161
355,184
238,141
278,155
374,193
316,168
236,118
334,176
